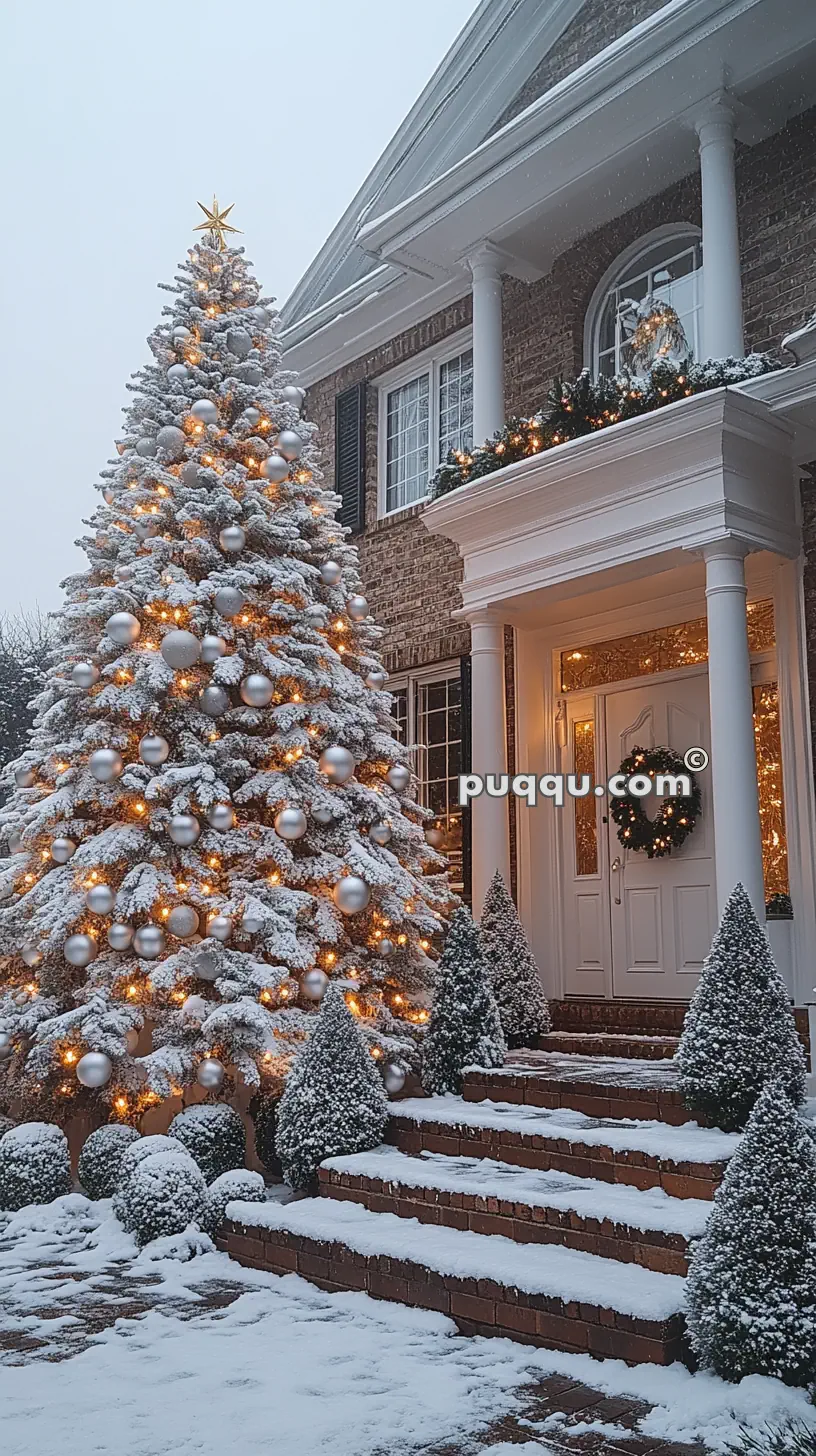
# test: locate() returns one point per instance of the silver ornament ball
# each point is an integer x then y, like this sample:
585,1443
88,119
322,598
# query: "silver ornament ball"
252,416
257,690
62,850
315,616
351,894
84,674
146,448
146,527
337,763
331,573
398,776
205,966
380,833
15,842
323,814
189,474
219,927
182,921
80,950
205,412
376,680
25,778
180,332
5,1041
357,608
313,984
120,936
290,823
210,1073
251,924
294,395
275,468
94,1069
239,343
31,954
232,538
213,701
212,647
229,601
221,816
180,648
149,942
153,749
106,764
170,438
393,1079
177,372
262,315
184,830
100,899
123,572
290,444
385,947
123,628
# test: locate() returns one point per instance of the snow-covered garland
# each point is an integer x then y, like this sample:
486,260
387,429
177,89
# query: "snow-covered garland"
581,406
676,817
213,815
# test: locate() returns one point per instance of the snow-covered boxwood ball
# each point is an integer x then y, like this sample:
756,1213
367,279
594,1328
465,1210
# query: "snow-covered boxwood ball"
101,1158
162,1195
34,1165
133,1155
237,1185
214,1135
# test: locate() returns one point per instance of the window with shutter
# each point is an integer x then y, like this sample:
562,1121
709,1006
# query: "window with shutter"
349,456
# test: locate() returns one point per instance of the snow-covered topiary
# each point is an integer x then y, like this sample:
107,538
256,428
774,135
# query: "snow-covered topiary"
514,975
162,1195
213,1134
464,1028
751,1295
135,1154
101,1158
34,1165
739,1031
239,1184
263,1109
334,1102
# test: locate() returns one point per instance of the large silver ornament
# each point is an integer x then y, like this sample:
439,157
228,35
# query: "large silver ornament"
189,474
25,778
153,749
323,814
149,942
31,954
205,966
120,936
210,1073
221,816
182,921
205,412
184,830
146,448
331,573
219,927
357,608
229,601
212,647
94,1069
62,850
252,416
275,468
337,763
106,764
15,842
351,894
257,690
84,674
213,701
172,441
293,395
262,315
239,343
180,649
251,924
398,776
195,1009
232,538
123,628
290,444
100,899
181,334
313,984
380,833
393,1079
80,950
290,823
386,946
5,1042
178,372
376,680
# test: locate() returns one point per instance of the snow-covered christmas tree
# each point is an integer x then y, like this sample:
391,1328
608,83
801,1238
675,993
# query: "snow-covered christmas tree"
465,1028
752,1287
517,986
212,817
739,1031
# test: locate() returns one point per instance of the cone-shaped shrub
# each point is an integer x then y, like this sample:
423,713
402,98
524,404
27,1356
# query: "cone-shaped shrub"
751,1300
517,986
334,1102
739,1031
465,1028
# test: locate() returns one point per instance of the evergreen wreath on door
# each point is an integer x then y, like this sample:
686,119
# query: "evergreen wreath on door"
676,817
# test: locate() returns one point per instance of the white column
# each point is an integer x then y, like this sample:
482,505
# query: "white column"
488,344
722,283
490,839
737,837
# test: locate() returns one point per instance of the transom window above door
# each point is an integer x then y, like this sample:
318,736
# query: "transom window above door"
666,270
426,410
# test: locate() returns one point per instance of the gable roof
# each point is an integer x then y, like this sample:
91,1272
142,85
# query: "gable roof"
498,49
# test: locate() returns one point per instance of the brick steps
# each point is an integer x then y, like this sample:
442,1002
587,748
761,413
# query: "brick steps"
623,1223
686,1162
613,1087
609,1044
541,1295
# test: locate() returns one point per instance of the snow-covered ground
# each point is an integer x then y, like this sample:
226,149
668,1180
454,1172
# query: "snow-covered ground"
181,1352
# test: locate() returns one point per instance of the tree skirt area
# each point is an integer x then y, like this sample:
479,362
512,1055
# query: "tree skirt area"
179,1350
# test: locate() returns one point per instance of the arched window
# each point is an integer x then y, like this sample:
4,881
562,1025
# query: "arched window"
664,268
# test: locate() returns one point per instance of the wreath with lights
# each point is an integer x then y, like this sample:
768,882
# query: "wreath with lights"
676,818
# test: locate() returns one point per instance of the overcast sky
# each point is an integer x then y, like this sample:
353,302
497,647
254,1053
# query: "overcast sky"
117,116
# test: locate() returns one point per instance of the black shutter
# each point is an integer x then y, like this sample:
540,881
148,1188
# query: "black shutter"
466,760
349,456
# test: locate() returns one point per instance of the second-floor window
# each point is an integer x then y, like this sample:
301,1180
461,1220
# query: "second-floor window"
425,412
666,271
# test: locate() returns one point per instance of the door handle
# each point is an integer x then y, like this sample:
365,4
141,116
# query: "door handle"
615,868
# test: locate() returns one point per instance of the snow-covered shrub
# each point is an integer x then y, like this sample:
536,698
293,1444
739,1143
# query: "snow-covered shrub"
739,1031
334,1102
238,1184
513,972
34,1165
751,1294
132,1157
213,1134
263,1109
162,1195
793,1438
101,1158
464,1028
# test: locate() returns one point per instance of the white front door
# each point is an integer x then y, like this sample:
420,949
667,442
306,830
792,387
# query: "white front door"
663,911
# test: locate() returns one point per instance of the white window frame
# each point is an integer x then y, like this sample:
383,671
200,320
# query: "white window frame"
410,682
670,234
429,362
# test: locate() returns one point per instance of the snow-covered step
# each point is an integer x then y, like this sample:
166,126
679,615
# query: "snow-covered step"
634,1226
599,1086
549,1296
686,1161
609,1044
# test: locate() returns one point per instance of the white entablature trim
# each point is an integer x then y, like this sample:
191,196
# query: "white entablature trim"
711,466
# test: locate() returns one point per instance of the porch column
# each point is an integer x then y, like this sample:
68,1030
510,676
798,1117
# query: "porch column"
488,344
490,839
738,841
722,282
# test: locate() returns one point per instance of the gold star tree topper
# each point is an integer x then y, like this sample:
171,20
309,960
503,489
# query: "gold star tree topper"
216,223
